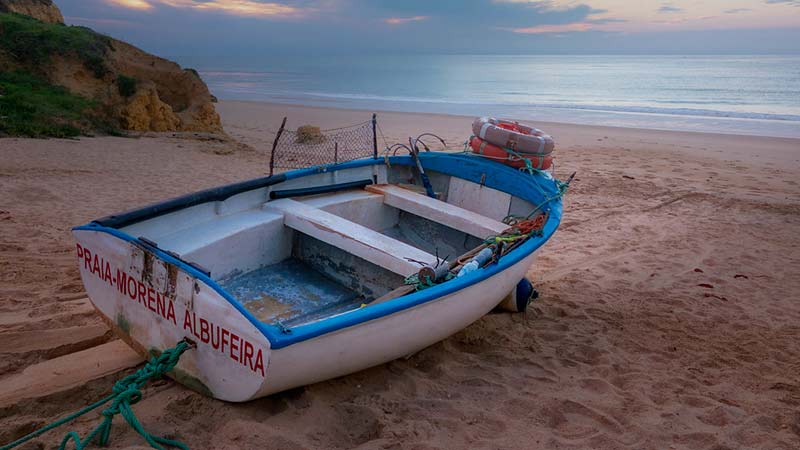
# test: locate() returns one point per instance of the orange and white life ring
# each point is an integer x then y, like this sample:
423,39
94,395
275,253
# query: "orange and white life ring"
513,135
496,153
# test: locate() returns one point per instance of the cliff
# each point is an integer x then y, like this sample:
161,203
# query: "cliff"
43,10
124,87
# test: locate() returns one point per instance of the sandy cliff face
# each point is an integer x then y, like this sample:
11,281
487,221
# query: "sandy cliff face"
43,10
162,83
145,111
159,96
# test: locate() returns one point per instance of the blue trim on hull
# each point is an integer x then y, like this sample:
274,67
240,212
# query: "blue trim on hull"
475,169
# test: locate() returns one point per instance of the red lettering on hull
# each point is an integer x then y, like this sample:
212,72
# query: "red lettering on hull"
227,342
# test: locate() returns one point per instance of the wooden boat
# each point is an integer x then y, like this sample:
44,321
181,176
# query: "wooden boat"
287,280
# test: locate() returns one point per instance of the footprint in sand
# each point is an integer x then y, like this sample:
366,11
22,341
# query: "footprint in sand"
721,416
486,428
597,386
573,420
358,425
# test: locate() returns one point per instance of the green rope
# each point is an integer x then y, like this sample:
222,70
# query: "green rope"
420,285
562,187
126,392
512,219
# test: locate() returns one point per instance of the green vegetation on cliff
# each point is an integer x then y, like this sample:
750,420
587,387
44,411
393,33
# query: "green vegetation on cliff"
30,106
60,80
32,43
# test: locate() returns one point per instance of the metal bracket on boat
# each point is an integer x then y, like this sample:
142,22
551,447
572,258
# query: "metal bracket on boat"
394,148
284,329
148,242
191,342
199,267
418,140
154,245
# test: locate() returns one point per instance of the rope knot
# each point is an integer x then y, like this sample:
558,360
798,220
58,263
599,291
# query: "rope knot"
129,396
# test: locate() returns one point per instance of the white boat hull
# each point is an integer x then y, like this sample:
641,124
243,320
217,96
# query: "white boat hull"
154,299
390,337
229,371
151,311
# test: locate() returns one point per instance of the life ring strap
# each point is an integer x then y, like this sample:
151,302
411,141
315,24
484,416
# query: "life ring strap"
509,156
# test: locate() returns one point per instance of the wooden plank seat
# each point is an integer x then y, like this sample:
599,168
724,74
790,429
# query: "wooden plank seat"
438,211
351,237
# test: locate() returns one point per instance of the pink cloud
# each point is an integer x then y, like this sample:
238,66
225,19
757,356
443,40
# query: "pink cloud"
234,7
133,4
563,28
402,20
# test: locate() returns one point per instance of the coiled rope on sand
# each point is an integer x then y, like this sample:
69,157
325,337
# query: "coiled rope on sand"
125,393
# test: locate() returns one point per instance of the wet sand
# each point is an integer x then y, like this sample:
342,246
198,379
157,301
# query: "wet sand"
669,314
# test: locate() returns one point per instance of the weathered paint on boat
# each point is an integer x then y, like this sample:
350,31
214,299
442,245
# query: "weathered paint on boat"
154,298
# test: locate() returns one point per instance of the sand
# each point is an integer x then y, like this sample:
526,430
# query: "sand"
669,315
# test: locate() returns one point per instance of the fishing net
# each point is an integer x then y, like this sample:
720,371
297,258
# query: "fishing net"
310,146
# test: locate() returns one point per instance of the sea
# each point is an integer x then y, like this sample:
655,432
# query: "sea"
744,94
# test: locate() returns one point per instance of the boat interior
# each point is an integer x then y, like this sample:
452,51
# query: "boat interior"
293,254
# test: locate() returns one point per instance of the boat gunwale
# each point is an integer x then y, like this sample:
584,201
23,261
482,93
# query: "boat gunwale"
279,338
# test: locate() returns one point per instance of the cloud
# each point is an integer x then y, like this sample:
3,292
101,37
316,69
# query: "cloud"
402,20
132,4
234,7
736,10
669,9
563,28
247,34
457,13
572,27
784,2
557,19
604,20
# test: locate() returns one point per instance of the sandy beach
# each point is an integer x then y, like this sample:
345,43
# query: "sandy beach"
669,315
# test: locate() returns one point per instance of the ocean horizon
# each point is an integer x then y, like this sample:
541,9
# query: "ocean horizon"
733,94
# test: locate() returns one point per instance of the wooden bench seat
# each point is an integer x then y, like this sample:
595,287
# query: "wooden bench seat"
351,237
438,211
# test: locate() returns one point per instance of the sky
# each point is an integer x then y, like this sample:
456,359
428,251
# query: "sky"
231,33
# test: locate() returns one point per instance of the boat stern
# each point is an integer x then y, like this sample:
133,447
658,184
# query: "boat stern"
153,300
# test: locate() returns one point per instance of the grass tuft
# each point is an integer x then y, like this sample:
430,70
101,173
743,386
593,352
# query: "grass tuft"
30,106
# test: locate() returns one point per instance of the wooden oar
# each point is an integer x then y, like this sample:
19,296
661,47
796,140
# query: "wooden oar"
399,292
